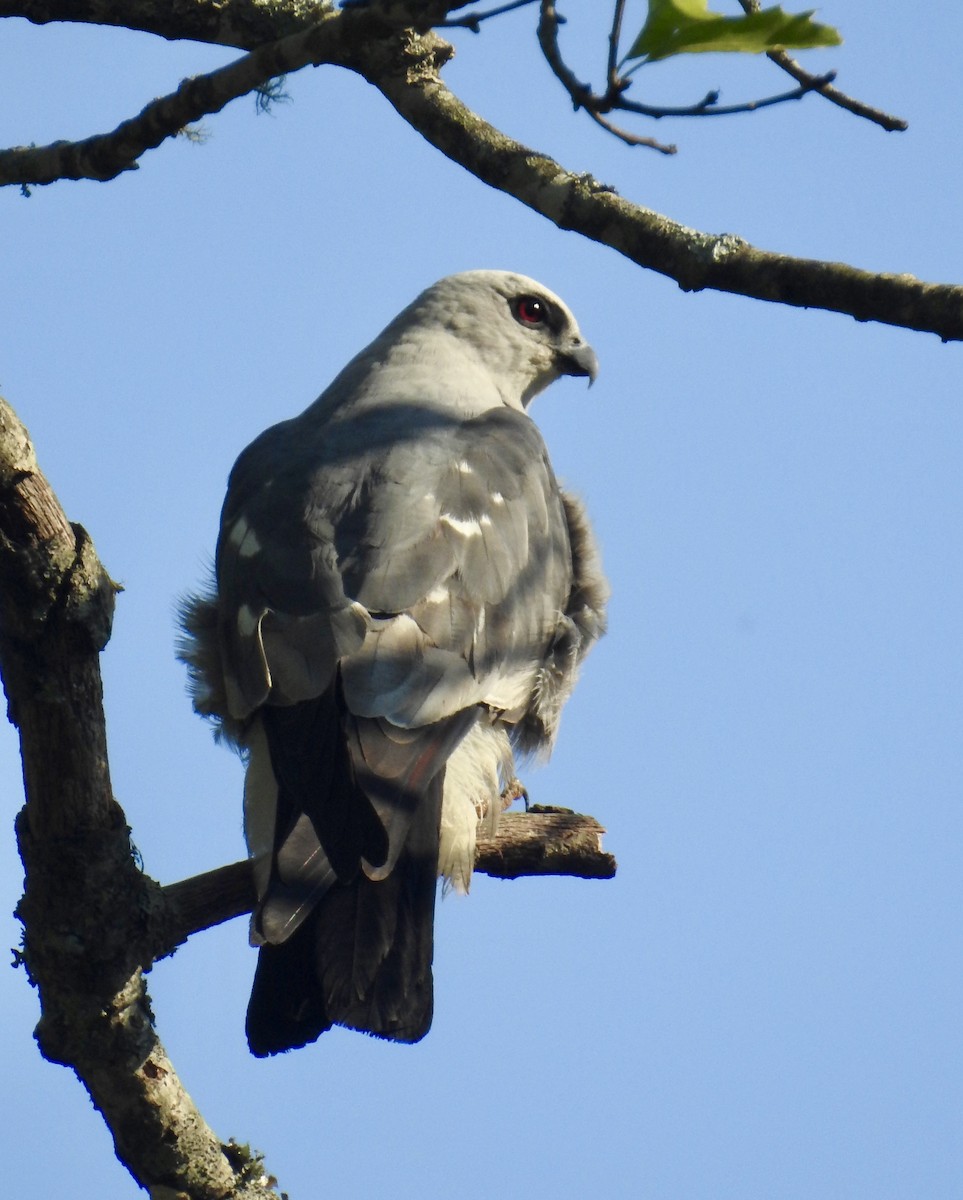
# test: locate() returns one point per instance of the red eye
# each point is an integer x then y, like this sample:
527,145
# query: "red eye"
529,310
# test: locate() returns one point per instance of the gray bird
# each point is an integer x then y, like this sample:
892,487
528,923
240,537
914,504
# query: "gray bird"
403,597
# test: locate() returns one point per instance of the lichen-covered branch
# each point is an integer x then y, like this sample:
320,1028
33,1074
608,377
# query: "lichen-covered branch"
405,66
241,23
331,37
695,260
87,911
245,24
104,156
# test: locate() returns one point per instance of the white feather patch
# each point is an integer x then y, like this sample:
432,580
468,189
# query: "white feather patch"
247,620
243,537
474,777
469,528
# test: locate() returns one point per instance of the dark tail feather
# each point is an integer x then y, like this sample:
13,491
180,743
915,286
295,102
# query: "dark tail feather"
361,959
324,825
285,1010
348,915
375,939
311,764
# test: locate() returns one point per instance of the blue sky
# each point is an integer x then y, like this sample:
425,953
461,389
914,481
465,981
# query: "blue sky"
766,1001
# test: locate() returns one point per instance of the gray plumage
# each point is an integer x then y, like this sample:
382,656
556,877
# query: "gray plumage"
403,595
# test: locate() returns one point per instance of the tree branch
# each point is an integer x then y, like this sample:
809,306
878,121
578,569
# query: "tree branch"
709,106
614,97
408,76
545,841
405,67
241,23
542,841
631,139
245,24
87,911
334,38
580,93
104,156
825,88
473,20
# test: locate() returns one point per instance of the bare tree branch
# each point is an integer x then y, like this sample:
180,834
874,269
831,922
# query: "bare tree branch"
333,38
631,139
105,156
241,23
542,841
709,106
405,67
545,841
615,37
408,76
473,20
87,910
825,87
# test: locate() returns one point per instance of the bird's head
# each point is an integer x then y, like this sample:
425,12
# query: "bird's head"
522,334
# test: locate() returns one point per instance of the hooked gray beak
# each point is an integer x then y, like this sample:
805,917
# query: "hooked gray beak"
580,359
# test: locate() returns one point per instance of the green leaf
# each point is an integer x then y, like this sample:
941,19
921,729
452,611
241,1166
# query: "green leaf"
687,27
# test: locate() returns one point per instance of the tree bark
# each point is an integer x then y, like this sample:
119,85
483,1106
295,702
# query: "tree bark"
88,913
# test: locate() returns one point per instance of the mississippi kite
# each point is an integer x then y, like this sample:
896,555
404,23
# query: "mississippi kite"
403,597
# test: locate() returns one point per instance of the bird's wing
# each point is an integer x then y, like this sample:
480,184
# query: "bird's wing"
427,555
413,568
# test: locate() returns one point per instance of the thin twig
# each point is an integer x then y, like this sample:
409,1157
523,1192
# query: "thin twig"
631,139
708,107
615,36
857,107
614,99
784,60
581,93
473,20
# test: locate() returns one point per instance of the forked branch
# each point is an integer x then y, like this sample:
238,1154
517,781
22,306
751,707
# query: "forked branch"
409,77
87,909
614,98
405,67
826,89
